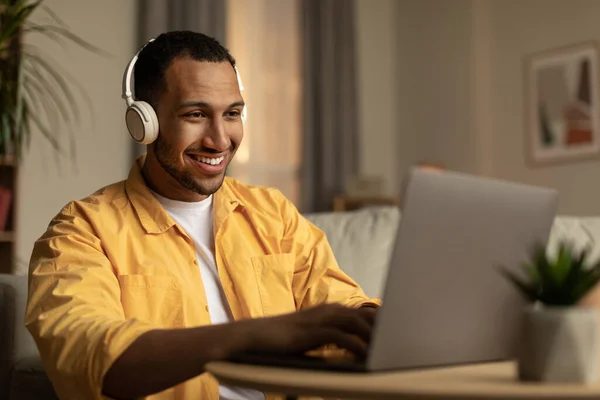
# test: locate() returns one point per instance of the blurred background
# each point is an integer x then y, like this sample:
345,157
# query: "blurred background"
343,97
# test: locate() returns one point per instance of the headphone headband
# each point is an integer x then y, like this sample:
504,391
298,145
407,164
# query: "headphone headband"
127,95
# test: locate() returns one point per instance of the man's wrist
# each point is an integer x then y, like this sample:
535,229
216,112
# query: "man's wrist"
233,338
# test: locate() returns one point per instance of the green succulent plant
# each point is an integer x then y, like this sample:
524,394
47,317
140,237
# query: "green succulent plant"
33,91
561,280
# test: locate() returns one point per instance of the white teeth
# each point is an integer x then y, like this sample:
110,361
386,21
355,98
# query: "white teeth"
210,161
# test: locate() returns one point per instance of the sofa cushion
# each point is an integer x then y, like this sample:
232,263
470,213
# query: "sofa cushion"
24,344
580,231
19,357
362,242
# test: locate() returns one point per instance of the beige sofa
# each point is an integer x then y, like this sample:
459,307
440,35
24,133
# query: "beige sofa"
362,241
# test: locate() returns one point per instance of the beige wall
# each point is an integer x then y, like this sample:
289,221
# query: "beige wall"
103,145
455,87
376,64
518,28
415,70
436,90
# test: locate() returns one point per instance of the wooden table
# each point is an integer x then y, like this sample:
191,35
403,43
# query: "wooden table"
482,381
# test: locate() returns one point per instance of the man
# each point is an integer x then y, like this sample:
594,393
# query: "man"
133,289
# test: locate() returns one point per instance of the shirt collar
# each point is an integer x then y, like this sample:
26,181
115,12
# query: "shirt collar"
153,216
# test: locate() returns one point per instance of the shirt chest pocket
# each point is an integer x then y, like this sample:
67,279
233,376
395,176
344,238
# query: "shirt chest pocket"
155,299
274,275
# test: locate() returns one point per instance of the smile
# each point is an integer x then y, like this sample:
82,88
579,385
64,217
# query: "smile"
207,160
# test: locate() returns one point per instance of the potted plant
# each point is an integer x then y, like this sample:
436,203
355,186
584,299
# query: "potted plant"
560,338
33,91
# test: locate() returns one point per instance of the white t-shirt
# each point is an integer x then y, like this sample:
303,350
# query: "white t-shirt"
197,221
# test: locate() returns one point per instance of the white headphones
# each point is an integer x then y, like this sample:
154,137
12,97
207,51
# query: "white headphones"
140,117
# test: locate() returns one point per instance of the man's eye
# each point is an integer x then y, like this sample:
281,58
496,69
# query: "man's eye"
233,113
196,114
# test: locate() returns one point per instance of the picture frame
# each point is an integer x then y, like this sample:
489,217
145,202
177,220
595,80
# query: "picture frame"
561,102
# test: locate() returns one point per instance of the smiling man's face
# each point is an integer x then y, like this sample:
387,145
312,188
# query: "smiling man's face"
199,114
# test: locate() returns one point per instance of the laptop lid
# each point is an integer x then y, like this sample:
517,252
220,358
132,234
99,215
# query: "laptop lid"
444,301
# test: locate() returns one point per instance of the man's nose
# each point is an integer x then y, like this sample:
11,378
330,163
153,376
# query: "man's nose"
217,138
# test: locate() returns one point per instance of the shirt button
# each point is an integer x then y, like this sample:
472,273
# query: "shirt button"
196,262
206,308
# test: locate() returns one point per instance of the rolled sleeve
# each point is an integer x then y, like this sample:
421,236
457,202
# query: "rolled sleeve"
74,312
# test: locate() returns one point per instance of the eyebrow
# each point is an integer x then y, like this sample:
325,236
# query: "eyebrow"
204,104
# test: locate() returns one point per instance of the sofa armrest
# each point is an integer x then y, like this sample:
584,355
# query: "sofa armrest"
30,382
7,334
16,343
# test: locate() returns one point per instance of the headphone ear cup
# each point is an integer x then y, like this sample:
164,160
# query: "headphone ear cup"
142,122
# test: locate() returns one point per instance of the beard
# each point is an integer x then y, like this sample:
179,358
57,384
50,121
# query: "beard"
167,157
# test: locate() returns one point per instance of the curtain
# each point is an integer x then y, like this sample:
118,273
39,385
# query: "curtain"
204,16
264,38
330,125
158,16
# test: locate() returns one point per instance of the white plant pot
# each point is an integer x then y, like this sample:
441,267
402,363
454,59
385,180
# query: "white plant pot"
559,344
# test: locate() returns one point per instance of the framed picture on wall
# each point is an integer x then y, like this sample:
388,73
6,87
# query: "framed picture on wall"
562,104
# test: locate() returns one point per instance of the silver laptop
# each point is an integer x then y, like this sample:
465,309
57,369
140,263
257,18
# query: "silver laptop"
444,301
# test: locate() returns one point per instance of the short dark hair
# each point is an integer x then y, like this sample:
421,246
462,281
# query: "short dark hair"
155,58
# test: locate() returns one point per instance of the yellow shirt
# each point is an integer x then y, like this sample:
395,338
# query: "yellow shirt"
115,265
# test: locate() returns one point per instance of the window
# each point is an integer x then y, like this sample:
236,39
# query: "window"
264,38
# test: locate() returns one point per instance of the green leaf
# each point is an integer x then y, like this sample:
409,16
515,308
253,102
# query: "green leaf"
531,271
576,274
26,128
562,280
57,32
35,92
583,286
68,106
15,16
589,278
47,134
5,134
563,264
47,90
75,110
57,80
50,35
19,99
547,279
40,103
530,291
53,15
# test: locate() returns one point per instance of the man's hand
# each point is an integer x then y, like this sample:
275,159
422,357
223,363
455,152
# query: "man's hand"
309,329
160,359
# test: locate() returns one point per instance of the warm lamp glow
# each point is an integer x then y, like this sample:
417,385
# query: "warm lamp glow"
431,166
